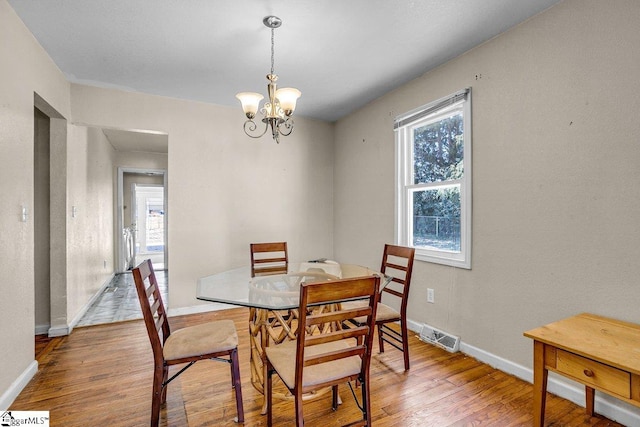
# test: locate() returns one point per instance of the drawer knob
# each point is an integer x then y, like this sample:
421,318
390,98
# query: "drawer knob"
588,372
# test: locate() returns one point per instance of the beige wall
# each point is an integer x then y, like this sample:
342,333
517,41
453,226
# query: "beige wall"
225,189
90,233
140,160
25,69
556,173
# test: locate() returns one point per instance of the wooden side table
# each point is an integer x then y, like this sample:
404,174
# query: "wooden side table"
601,353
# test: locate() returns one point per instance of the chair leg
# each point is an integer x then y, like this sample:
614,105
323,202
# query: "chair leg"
268,394
156,399
380,341
299,413
334,401
165,376
405,343
366,402
235,378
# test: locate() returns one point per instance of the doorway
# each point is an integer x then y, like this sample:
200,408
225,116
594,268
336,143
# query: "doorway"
41,222
142,218
49,218
148,220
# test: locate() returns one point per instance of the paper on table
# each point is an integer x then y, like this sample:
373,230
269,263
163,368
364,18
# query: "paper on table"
327,266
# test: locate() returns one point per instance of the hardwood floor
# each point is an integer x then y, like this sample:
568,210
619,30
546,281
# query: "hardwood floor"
44,345
101,375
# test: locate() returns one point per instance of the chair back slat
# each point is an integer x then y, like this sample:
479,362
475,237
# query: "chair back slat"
269,258
337,316
150,289
154,307
266,271
337,335
395,293
397,266
336,290
334,355
399,280
160,321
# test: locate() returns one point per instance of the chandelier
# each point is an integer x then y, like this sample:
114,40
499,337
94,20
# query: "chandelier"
278,109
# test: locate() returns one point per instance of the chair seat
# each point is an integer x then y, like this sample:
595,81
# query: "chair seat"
283,359
383,314
211,337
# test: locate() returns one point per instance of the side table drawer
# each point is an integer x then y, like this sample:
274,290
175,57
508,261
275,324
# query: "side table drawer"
593,373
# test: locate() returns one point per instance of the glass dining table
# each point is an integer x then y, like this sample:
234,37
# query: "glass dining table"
273,302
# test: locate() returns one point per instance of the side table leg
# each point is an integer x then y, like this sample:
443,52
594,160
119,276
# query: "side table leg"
540,375
590,395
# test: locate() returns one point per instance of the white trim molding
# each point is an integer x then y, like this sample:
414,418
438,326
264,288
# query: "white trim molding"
17,386
413,188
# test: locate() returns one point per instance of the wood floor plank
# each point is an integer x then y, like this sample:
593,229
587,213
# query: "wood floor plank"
101,375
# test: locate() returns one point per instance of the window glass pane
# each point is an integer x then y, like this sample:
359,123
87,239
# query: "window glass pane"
436,218
438,150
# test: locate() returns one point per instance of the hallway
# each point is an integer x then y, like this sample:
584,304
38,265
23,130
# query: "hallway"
119,300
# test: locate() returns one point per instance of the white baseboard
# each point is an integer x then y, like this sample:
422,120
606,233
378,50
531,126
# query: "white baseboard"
17,386
59,331
83,310
42,329
605,405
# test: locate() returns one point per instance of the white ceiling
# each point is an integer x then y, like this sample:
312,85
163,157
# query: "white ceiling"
341,54
146,142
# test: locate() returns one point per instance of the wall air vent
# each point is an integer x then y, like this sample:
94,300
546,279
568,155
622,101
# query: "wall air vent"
434,336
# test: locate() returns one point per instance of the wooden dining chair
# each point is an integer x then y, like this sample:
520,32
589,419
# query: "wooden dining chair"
397,262
269,258
324,354
213,340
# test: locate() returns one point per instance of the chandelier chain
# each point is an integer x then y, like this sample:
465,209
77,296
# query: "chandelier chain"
272,49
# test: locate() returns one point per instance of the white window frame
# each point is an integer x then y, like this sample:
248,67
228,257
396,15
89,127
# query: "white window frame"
404,126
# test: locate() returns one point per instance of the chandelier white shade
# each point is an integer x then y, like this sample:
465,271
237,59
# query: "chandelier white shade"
280,105
288,97
250,102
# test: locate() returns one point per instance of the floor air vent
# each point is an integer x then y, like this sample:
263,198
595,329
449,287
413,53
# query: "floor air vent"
442,339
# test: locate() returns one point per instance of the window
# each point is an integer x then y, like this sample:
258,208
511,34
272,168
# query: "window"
433,180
